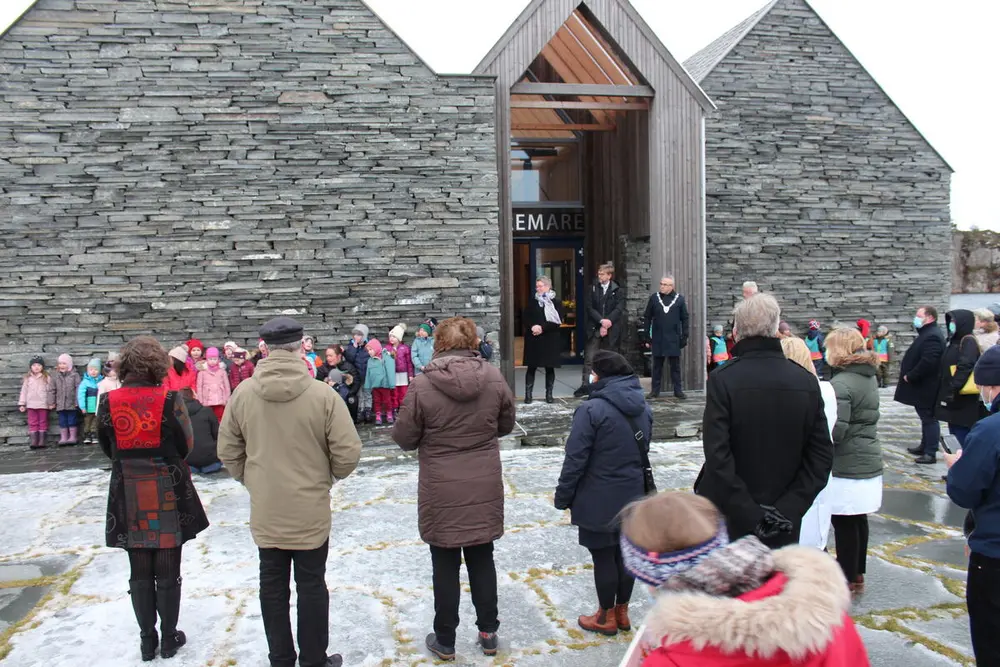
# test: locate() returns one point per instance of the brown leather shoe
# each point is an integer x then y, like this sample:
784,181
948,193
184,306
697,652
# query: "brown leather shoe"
621,615
604,622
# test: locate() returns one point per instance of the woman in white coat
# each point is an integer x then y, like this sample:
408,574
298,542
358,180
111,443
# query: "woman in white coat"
815,531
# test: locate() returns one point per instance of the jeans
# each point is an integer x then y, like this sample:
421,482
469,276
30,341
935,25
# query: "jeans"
960,433
851,535
982,595
614,583
930,431
313,605
675,374
446,563
67,418
205,470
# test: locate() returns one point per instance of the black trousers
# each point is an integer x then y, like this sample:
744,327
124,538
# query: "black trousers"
529,377
614,583
482,579
930,431
982,595
851,536
313,605
675,374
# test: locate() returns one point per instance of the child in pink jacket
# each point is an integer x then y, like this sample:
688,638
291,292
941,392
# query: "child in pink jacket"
400,351
213,383
38,396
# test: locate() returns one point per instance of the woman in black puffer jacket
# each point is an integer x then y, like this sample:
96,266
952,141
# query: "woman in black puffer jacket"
960,412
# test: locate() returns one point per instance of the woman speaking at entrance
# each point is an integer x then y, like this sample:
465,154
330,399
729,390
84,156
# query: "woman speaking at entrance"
542,340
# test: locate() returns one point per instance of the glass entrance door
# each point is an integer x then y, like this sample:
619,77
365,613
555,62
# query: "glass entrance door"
562,261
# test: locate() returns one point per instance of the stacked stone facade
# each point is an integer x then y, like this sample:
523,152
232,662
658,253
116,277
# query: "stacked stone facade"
818,187
182,167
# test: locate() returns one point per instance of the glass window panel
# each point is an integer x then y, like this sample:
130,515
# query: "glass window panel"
542,173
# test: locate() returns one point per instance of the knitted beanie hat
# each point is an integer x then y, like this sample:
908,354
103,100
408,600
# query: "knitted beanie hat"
987,371
94,363
481,333
335,376
212,353
814,325
178,353
194,343
375,347
360,329
610,364
718,329
36,360
398,332
426,328
230,345
65,359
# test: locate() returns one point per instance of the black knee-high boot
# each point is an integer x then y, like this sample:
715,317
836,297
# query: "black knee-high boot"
529,385
144,606
168,604
550,383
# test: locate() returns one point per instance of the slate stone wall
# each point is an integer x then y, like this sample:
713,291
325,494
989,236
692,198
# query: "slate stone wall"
199,166
975,262
639,267
818,187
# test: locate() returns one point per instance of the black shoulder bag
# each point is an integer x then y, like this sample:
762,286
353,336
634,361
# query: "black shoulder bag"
648,483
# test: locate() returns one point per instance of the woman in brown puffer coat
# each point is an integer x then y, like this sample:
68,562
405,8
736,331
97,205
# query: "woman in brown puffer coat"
453,415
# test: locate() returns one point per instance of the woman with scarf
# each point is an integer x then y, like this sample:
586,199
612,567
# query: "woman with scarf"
542,319
721,603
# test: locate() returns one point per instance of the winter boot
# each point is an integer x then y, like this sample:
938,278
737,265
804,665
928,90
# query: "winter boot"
378,418
621,615
144,606
168,605
335,660
529,387
550,383
71,440
63,435
489,642
604,622
437,648
391,417
38,440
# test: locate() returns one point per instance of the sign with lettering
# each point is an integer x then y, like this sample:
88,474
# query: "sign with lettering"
549,222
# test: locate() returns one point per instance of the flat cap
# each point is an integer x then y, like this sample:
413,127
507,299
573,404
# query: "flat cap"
281,330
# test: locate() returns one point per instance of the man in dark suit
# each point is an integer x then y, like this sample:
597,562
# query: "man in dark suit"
919,376
768,451
667,317
604,313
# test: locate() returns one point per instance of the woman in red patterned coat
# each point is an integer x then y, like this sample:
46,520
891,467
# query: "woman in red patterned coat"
153,507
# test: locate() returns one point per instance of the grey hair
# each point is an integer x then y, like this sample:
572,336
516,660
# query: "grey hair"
751,285
758,316
667,276
544,279
286,347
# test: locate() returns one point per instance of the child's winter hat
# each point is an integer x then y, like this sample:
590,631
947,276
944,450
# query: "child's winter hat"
426,328
432,323
987,370
230,345
374,346
360,329
882,330
94,363
398,331
239,353
335,376
65,359
309,338
480,333
814,325
36,360
717,328
178,353
212,353
195,343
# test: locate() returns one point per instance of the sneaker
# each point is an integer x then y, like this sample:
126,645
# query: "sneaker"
925,460
489,642
440,650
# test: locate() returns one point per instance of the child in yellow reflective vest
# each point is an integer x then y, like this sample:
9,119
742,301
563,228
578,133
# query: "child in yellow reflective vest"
884,349
719,353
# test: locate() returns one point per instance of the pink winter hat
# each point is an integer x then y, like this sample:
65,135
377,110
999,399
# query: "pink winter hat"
374,346
212,353
65,359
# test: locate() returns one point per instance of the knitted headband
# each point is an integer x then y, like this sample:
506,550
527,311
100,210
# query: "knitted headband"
655,568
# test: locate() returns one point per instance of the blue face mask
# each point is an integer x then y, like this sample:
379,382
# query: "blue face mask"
951,328
917,323
987,404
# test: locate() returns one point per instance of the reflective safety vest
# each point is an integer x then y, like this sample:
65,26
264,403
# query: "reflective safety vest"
814,351
881,346
720,354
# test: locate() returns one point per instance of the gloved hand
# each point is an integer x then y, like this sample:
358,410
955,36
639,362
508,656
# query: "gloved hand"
772,524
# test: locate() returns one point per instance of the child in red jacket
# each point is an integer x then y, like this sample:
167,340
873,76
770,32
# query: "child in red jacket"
729,604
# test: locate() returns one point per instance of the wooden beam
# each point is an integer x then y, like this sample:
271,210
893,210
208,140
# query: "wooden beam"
576,89
562,104
552,127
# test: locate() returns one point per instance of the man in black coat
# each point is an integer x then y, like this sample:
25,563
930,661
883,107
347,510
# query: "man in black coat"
919,374
768,451
604,313
667,317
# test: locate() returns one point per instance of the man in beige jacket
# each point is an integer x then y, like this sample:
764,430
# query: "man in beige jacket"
287,437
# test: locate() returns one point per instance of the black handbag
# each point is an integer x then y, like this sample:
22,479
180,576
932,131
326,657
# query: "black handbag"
648,482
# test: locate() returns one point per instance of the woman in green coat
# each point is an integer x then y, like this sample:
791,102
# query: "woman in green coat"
855,491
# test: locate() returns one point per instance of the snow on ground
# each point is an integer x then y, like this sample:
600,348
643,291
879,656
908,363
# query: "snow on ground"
378,572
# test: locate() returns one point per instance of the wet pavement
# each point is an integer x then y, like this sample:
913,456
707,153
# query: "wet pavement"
63,595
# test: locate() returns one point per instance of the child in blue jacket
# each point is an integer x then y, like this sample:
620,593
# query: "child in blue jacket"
380,380
86,399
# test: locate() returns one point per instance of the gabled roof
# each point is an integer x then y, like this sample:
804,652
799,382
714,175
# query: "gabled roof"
701,64
547,16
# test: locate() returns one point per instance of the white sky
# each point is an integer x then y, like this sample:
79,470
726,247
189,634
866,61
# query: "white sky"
934,58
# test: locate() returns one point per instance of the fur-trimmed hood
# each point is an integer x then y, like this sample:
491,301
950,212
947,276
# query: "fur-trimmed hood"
799,621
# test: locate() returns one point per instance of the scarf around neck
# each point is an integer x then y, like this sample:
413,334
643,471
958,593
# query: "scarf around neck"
545,300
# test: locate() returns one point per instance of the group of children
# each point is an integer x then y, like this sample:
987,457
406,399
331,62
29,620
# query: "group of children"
65,392
720,346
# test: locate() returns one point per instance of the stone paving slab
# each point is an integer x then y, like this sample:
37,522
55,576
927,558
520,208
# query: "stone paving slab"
379,571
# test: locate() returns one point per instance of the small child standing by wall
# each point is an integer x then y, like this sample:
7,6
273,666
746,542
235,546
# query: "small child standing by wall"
37,398
239,369
309,349
196,352
66,381
423,348
720,351
884,349
110,381
400,351
816,343
86,398
380,380
213,384
356,354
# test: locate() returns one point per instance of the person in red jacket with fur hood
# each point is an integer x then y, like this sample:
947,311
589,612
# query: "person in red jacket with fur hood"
733,604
